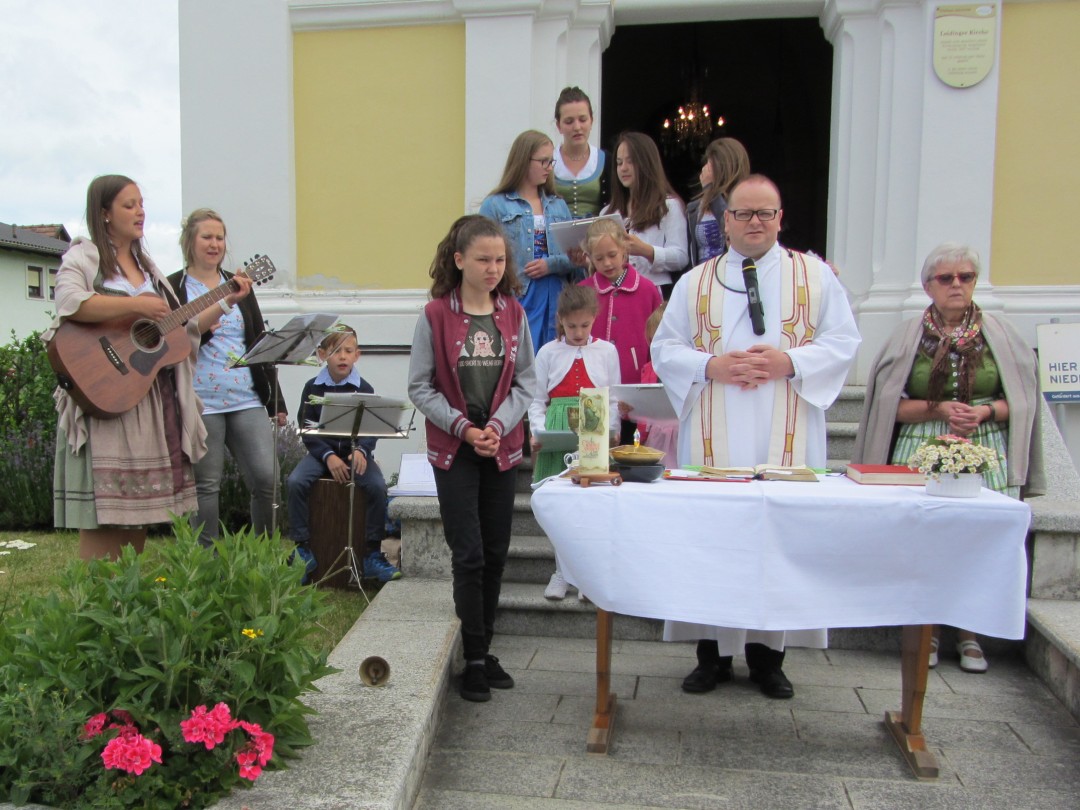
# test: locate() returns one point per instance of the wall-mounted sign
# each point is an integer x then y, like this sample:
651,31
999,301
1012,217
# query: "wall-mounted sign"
1059,361
965,37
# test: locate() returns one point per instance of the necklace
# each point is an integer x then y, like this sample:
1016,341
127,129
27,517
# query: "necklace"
567,156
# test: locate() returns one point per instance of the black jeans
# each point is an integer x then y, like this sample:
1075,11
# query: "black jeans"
477,505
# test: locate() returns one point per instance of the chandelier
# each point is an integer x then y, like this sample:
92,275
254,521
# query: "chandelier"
690,130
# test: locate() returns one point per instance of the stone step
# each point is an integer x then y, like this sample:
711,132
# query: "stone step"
531,559
523,611
848,406
840,439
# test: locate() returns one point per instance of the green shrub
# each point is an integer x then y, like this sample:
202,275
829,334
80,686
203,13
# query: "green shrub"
27,383
155,639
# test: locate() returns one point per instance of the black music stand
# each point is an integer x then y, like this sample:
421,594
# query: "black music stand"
355,416
291,345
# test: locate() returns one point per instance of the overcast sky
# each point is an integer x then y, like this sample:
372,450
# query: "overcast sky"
90,87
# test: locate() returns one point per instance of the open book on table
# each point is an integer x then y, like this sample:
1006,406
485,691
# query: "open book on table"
762,472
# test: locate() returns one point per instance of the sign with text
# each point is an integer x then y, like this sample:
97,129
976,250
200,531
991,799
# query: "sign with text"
1059,361
965,38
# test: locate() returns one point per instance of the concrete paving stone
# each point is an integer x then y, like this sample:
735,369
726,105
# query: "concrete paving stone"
505,704
621,663
985,735
684,651
458,800
511,773
511,642
1038,706
880,795
874,677
1048,739
878,758
1002,678
570,683
704,716
1019,771
508,735
646,744
596,779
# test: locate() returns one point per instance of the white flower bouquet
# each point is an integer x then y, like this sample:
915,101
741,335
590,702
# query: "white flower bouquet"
953,454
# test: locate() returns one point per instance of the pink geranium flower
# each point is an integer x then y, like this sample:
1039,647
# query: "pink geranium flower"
208,727
94,726
131,752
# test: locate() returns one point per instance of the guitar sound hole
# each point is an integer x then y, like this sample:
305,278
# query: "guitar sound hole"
146,335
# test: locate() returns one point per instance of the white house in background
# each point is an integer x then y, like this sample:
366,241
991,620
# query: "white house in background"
29,258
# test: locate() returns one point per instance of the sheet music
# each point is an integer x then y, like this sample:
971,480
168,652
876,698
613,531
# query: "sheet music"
380,416
272,344
416,476
648,400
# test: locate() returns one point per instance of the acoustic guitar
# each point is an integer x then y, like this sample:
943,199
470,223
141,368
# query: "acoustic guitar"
108,367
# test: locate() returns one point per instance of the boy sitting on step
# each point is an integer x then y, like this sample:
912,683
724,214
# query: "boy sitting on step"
334,455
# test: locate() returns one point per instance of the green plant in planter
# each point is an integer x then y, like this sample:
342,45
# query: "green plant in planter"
119,668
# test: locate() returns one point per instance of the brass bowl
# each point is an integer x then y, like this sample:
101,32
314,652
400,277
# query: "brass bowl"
628,454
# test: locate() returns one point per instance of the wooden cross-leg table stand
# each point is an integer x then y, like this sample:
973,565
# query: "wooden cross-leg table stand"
906,725
603,724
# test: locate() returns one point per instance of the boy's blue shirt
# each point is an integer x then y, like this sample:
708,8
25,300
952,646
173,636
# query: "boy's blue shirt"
323,446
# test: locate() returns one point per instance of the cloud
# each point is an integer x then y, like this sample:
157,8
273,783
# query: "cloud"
89,88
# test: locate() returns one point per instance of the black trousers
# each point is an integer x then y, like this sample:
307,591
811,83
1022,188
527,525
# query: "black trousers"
758,656
476,501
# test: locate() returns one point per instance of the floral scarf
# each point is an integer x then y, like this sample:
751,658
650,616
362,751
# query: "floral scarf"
965,343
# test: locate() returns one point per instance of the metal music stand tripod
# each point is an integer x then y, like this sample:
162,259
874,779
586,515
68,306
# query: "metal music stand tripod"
291,345
357,416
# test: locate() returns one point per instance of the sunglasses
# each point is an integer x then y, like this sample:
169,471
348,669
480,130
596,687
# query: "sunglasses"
946,279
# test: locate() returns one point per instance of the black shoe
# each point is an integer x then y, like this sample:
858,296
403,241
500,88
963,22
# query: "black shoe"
705,677
497,677
474,684
773,683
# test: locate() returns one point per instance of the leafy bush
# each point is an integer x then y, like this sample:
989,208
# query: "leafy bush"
27,383
146,642
27,434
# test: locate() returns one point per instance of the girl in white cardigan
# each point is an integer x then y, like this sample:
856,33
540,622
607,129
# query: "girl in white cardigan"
573,361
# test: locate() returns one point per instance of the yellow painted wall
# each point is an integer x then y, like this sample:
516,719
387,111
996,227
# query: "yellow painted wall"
1037,166
380,152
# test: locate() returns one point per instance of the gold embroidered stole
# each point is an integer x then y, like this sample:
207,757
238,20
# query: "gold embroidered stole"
800,301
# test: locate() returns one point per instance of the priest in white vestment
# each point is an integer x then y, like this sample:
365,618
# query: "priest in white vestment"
744,398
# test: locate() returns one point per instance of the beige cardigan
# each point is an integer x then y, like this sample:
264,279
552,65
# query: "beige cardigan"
1019,379
77,280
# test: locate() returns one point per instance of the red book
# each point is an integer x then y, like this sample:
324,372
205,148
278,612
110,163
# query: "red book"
885,474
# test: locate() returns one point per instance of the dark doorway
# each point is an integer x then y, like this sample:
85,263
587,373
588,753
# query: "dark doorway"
771,80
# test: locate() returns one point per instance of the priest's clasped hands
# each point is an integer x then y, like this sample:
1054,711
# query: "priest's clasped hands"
748,369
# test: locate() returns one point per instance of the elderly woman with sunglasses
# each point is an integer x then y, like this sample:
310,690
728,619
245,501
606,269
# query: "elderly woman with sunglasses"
956,369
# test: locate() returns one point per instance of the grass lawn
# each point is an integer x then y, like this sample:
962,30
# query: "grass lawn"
34,570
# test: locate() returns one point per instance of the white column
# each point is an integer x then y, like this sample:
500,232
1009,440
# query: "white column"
912,161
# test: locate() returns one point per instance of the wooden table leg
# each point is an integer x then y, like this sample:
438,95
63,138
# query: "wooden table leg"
906,725
603,724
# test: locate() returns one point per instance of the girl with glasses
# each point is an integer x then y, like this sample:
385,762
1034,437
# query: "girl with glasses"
525,205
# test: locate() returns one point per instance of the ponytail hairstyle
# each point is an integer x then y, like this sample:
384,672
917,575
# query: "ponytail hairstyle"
575,298
569,95
100,195
444,271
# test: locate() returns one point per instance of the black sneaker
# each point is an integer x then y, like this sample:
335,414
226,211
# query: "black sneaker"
497,677
474,684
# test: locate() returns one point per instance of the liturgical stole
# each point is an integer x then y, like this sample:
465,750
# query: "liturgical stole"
800,300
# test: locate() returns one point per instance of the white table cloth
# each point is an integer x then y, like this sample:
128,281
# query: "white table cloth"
773,555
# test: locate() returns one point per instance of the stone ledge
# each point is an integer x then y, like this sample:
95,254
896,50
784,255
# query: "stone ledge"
1052,648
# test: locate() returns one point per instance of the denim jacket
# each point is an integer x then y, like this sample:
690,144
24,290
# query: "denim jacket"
515,215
